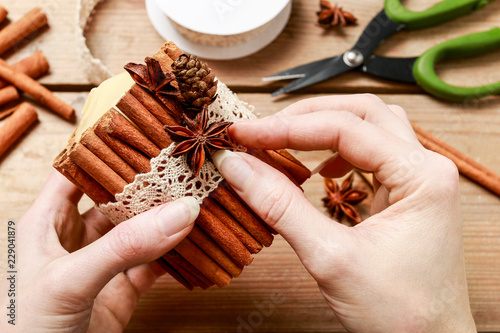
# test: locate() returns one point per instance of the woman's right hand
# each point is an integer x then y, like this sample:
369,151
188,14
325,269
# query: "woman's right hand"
402,269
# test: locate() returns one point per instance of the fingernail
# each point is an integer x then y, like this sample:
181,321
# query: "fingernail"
178,215
233,168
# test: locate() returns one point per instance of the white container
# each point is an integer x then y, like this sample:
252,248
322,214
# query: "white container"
219,29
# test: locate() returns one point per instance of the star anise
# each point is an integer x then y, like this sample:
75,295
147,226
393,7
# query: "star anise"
341,200
196,139
152,78
331,16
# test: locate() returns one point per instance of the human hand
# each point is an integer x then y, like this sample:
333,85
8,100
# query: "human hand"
402,269
76,273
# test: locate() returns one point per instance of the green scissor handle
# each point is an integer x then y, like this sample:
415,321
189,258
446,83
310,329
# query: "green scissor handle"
441,12
462,47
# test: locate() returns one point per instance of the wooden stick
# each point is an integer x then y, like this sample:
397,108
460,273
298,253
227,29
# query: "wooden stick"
199,259
227,219
8,94
293,166
157,109
224,238
95,144
138,161
96,168
151,126
22,28
122,129
242,215
81,179
3,13
37,91
34,66
466,165
16,125
208,246
175,274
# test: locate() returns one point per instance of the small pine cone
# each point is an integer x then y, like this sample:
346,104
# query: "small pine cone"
197,84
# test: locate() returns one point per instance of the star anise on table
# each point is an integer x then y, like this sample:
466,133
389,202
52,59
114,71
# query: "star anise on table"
331,16
197,140
340,200
152,78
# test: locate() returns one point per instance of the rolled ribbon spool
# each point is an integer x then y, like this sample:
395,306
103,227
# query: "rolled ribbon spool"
219,29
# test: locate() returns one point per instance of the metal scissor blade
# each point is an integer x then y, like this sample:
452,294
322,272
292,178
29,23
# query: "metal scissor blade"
396,69
299,71
333,67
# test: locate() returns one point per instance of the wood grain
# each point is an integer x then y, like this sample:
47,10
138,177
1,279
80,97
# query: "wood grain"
120,32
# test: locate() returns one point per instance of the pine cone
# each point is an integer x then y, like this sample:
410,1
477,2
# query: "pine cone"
197,84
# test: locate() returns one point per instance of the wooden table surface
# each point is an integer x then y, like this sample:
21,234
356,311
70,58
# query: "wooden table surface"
120,32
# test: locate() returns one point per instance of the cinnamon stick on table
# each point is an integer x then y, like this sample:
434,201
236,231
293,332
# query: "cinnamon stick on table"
3,13
16,125
12,34
466,165
36,90
7,112
8,94
34,66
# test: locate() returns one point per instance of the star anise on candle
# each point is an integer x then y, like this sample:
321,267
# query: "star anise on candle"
341,199
197,139
331,16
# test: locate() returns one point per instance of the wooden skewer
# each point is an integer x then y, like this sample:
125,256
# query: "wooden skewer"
466,165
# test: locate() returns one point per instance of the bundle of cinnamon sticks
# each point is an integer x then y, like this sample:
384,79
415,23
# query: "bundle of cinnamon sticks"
119,146
20,77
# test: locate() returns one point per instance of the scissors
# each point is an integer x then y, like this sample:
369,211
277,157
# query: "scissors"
417,70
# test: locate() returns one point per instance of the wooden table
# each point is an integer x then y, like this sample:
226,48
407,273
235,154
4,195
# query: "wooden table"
120,32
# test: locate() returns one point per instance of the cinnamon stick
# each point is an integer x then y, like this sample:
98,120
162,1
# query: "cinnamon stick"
8,94
151,126
293,166
81,179
34,66
3,13
138,161
96,168
122,129
227,219
12,34
187,270
173,273
7,112
264,156
466,165
157,109
199,259
208,246
224,238
95,144
242,215
16,125
37,91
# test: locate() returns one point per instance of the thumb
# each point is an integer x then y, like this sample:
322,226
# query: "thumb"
140,240
282,205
